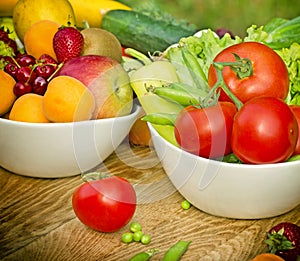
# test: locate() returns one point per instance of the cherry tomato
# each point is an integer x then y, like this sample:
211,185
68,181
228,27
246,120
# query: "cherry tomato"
296,111
206,131
106,205
264,131
269,78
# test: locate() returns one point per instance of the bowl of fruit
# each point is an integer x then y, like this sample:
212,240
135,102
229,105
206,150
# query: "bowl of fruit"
62,119
53,150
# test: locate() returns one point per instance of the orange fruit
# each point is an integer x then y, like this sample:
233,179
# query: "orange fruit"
7,96
67,99
38,38
267,257
28,108
139,134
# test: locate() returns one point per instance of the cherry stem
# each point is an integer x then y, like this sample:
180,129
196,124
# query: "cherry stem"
56,70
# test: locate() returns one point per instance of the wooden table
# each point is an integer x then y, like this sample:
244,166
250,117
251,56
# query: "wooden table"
38,223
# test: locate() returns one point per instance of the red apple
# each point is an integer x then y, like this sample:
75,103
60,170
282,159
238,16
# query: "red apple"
106,79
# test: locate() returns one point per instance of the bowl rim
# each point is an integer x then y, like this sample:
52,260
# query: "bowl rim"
153,131
136,110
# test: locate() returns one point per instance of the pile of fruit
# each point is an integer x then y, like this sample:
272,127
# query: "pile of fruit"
55,71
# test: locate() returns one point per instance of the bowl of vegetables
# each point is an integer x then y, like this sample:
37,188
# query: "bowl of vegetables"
224,121
242,191
55,150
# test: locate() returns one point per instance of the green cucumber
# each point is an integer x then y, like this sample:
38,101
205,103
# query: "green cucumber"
145,33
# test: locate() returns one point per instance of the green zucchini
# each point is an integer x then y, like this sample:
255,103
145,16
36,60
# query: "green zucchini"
143,32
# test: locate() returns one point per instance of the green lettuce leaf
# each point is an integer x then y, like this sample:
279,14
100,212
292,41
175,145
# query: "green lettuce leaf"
204,46
291,57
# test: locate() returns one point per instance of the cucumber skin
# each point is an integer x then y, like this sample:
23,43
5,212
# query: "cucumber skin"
142,32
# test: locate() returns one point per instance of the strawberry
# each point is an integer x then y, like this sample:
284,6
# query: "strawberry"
67,43
284,241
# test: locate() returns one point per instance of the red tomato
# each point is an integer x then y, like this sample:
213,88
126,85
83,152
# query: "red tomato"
264,131
206,132
270,76
296,111
106,204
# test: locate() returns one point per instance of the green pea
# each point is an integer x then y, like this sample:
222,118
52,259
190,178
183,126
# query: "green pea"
137,236
144,256
176,251
185,204
127,237
145,239
134,227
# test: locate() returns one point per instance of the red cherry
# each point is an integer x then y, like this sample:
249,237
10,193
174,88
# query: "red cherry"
26,60
22,88
25,74
11,69
39,86
44,70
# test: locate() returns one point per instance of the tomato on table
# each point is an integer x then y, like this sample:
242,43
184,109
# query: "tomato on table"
268,75
106,204
206,131
264,130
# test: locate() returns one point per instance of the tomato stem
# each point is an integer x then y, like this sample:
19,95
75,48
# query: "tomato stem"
94,176
221,83
242,67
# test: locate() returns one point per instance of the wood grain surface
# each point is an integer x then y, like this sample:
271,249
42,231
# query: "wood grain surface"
37,221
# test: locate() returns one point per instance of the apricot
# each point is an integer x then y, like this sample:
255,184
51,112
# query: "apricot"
67,99
38,38
139,134
7,96
267,257
28,108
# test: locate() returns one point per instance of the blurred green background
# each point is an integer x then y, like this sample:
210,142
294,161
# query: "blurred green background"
233,15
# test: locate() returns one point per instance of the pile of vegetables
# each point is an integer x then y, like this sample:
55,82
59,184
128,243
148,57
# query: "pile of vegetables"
189,86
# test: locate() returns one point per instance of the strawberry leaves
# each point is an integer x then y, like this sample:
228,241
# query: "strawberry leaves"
284,241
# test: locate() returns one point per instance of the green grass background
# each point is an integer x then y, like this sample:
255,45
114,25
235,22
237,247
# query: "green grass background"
233,15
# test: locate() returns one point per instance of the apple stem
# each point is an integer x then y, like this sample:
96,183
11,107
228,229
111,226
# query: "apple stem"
85,24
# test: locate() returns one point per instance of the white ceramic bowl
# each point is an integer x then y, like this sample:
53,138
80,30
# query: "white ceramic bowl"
230,190
52,150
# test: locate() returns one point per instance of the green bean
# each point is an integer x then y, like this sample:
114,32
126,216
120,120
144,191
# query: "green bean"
161,118
188,88
175,95
176,251
144,256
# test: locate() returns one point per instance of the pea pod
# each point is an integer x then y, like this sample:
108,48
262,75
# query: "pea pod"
176,251
161,118
195,69
144,256
178,96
